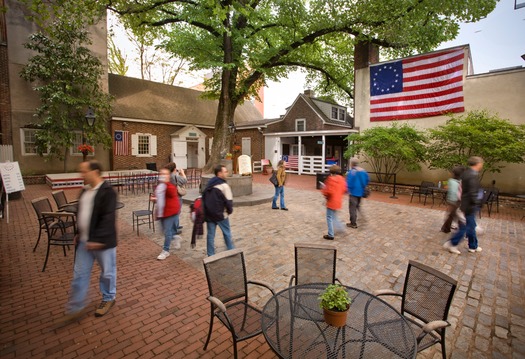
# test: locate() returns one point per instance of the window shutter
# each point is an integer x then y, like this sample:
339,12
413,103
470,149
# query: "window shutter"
134,145
153,145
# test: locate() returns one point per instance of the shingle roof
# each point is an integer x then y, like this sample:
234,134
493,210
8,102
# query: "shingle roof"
147,100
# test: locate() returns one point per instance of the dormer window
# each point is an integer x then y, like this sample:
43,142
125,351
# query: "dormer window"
338,114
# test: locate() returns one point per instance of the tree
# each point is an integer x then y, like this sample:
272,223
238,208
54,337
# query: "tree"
389,149
477,133
116,59
66,74
247,42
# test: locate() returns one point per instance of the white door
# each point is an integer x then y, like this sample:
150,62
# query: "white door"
193,155
179,153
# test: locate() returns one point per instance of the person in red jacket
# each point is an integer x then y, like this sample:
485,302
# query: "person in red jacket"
334,189
167,211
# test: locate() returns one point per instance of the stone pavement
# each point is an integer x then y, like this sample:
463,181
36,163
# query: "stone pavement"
161,309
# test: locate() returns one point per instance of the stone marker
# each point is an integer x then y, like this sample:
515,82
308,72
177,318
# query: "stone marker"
245,165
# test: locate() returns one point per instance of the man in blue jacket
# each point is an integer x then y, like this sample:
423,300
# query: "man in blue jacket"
356,181
217,200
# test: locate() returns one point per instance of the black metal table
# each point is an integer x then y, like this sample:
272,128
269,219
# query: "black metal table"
73,208
442,194
293,326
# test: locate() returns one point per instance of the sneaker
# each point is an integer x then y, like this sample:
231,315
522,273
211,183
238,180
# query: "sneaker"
479,249
326,236
350,225
284,209
176,242
179,231
163,255
104,307
452,249
275,207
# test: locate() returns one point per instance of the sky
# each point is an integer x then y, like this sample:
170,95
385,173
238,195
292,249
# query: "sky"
496,42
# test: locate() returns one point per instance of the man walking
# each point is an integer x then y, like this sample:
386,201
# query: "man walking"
356,181
470,197
97,240
217,200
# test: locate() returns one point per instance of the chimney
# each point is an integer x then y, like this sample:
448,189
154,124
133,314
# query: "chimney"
309,93
365,54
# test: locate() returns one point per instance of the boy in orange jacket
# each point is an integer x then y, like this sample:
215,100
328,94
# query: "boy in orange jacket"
334,189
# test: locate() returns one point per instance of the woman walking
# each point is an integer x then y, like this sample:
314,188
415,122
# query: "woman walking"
279,189
167,211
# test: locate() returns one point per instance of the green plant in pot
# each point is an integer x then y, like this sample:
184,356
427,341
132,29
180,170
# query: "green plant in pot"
335,303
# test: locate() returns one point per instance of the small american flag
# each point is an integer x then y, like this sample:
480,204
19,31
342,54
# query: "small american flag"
420,86
121,143
293,162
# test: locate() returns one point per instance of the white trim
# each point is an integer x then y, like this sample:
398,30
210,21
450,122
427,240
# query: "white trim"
300,120
313,133
124,119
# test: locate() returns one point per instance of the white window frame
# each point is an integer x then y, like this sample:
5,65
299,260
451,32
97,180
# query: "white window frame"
73,150
336,113
340,111
297,122
23,142
152,145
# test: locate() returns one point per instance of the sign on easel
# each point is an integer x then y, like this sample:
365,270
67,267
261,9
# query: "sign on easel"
12,181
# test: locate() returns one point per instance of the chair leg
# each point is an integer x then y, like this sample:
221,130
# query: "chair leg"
64,248
443,351
47,256
209,331
38,240
234,348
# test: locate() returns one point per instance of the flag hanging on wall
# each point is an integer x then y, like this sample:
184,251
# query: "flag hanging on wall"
419,86
121,143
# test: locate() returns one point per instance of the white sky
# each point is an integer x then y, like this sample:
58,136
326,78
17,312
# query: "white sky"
496,42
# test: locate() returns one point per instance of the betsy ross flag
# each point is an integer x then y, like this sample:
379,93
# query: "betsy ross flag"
121,143
420,86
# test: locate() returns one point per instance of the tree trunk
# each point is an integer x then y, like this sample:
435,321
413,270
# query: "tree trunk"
226,110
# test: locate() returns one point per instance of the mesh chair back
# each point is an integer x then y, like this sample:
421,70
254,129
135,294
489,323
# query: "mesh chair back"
315,263
226,275
41,204
60,198
427,293
425,187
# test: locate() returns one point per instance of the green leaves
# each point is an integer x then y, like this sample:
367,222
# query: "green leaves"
66,74
335,297
389,149
477,133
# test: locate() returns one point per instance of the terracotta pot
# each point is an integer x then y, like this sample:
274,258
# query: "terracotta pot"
268,170
335,319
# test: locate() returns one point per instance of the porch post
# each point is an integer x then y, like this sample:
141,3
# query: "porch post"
323,154
300,158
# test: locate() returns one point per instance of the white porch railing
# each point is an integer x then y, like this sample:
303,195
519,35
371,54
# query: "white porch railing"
312,165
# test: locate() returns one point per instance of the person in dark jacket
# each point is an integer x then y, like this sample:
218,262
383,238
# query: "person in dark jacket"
96,241
469,205
217,200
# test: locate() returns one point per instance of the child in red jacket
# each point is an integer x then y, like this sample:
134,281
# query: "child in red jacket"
167,211
334,188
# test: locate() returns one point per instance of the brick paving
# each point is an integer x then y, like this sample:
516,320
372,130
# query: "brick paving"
161,308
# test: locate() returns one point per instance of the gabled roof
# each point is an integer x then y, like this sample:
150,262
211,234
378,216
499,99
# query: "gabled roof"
151,101
322,116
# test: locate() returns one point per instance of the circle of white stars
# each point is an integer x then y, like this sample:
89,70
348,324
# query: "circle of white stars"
386,67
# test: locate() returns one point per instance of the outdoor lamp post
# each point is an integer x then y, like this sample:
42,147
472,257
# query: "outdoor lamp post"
90,119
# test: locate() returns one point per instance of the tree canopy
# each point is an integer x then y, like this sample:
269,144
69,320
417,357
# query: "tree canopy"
66,74
389,150
477,133
247,42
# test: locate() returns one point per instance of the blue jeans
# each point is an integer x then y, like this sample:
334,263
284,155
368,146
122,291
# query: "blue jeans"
279,191
210,236
169,226
333,221
469,228
107,260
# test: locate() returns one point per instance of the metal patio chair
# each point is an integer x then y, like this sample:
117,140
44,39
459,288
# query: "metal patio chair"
61,200
144,216
424,189
59,232
314,263
425,303
228,286
41,205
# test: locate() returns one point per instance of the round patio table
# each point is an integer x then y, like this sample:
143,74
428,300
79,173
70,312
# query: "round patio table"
293,326
73,208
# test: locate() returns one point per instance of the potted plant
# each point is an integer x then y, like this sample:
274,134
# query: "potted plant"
335,303
268,168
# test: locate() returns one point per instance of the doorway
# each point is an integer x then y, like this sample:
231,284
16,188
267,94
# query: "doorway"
193,154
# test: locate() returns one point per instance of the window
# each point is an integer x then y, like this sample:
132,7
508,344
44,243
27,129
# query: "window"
334,112
300,125
77,141
341,115
28,140
143,145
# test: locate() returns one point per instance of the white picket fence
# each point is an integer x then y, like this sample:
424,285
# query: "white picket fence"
6,153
